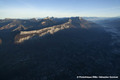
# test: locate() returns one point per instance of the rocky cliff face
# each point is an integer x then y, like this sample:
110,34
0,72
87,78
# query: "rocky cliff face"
25,35
29,24
23,30
74,22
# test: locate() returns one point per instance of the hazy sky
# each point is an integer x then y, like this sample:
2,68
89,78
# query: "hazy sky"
58,8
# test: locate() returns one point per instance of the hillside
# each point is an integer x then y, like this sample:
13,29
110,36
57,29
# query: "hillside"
59,51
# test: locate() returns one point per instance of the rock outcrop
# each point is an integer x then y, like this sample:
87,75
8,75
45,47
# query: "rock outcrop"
25,35
73,22
29,24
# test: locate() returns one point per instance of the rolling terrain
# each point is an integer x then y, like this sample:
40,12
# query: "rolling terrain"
56,49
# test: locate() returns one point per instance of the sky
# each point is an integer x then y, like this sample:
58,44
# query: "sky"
58,8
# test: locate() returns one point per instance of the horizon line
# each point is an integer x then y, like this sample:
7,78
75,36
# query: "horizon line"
56,17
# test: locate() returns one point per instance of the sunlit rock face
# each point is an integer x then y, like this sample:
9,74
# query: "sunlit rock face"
26,35
11,24
73,22
30,24
19,28
8,26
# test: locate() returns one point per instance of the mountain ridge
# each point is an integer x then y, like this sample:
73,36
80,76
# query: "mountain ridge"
61,54
23,30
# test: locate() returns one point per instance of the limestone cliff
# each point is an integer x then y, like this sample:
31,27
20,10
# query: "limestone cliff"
25,35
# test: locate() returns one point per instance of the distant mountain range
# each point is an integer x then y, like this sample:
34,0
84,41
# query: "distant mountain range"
27,29
94,19
105,21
